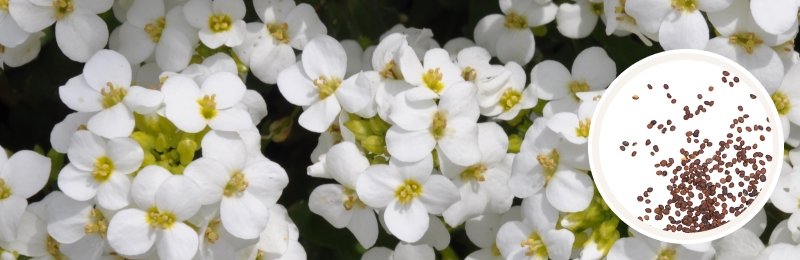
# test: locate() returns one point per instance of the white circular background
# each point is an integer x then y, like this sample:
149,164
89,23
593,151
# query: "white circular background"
621,178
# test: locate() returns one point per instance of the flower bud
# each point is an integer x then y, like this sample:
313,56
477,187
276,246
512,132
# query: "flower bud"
186,149
378,160
514,143
360,129
378,126
145,140
162,143
280,129
374,144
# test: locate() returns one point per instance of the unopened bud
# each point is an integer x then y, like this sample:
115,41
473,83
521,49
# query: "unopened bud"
374,144
162,143
186,149
514,143
280,129
360,129
145,140
378,126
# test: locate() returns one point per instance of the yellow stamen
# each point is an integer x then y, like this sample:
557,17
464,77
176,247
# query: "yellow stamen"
219,23
279,32
408,191
326,87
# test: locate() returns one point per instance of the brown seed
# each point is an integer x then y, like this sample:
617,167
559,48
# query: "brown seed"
725,73
647,142
669,95
699,96
647,210
724,80
647,201
769,129
622,148
625,143
741,108
673,101
672,128
655,148
711,88
666,86
736,79
650,189
752,96
639,198
635,97
649,86
633,154
762,178
634,144
646,217
730,84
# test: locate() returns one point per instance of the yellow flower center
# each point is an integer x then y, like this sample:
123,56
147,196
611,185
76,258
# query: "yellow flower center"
536,246
237,184
408,191
391,71
684,5
219,23
163,220
211,231
279,32
5,191
509,99
155,28
433,80
54,248
782,102
352,199
326,87
496,251
597,8
103,168
97,224
439,125
748,41
113,95
549,162
469,74
474,172
621,14
578,86
63,7
208,106
515,21
583,127
4,5
666,254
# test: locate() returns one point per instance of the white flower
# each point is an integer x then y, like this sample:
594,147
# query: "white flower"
33,239
509,36
215,241
215,63
340,204
164,201
574,127
450,127
403,251
286,26
592,70
431,79
482,231
409,192
354,52
278,241
244,192
11,35
318,82
642,247
421,40
220,21
80,227
483,186
254,104
679,24
619,21
385,60
456,45
535,237
21,176
579,19
99,168
105,86
23,53
192,108
475,67
774,17
546,162
786,99
150,28
506,102
786,196
79,31
744,42
739,245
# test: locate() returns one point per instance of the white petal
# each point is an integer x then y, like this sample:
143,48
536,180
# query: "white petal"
630,248
327,200
488,30
408,222
741,244
244,216
77,95
13,208
13,35
324,57
460,144
178,242
682,30
345,163
304,25
459,102
129,233
405,251
570,190
210,176
184,114
713,5
67,219
26,172
516,45
32,17
232,119
412,115
378,253
267,181
80,35
197,12
173,51
538,211
294,84
648,14
528,182
559,243
595,67
142,100
565,124
141,13
510,236
410,146
319,116
437,235
135,44
146,184
352,96
88,247
268,62
364,226
227,87
77,184
116,121
114,193
438,194
126,154
774,17
552,80
376,187
178,195
234,8
576,20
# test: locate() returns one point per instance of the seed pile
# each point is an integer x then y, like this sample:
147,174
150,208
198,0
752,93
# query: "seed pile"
711,179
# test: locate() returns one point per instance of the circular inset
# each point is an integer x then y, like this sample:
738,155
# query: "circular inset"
686,146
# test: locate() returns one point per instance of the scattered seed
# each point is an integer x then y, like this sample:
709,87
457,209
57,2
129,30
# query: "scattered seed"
635,97
736,79
699,96
711,88
752,96
666,86
741,108
725,73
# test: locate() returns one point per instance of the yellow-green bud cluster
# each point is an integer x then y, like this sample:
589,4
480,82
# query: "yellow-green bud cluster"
370,133
599,217
164,144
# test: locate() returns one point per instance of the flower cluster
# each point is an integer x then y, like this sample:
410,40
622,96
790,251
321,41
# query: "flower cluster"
165,160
